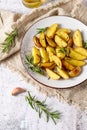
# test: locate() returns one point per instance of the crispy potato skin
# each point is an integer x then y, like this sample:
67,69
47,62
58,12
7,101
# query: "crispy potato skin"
49,65
75,72
67,65
46,65
70,42
36,41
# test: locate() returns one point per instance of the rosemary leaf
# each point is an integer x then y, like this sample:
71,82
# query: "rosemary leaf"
64,50
34,68
9,42
1,19
39,30
85,44
41,107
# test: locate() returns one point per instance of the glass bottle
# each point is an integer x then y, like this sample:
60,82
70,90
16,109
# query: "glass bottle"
33,3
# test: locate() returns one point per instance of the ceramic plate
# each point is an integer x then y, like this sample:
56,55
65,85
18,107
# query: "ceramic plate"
27,43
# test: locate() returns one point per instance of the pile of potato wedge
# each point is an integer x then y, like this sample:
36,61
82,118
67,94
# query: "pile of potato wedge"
59,51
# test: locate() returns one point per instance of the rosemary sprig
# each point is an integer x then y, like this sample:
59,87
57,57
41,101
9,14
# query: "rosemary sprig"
1,19
41,107
64,50
34,68
85,44
39,30
9,42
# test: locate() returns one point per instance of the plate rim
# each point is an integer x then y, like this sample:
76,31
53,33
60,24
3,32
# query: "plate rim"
72,86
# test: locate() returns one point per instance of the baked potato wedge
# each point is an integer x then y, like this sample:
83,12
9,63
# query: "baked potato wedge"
36,59
59,41
35,51
66,30
75,72
67,65
37,42
62,73
42,39
36,55
50,49
51,30
46,65
63,35
75,55
52,66
81,51
75,62
44,55
52,74
50,42
70,42
77,38
57,61
59,53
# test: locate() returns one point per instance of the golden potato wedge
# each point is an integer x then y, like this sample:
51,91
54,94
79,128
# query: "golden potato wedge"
52,74
44,55
52,66
75,55
77,38
36,55
47,64
75,72
62,73
66,30
67,65
81,51
75,62
63,35
50,56
59,41
35,51
36,59
42,39
50,50
51,30
59,53
36,41
50,42
70,42
57,61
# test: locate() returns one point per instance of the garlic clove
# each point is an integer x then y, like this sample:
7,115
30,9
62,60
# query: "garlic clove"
17,91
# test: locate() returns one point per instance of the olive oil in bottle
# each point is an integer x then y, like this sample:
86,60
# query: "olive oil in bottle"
33,3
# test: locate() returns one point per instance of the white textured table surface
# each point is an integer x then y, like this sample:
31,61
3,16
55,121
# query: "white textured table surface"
16,114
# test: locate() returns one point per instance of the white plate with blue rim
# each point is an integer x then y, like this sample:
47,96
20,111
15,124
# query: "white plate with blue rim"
27,43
